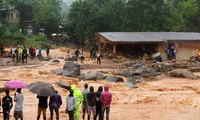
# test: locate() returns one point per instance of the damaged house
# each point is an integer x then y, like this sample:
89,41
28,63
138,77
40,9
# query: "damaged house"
138,43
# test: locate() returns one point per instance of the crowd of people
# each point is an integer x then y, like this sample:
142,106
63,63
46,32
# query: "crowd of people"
78,53
21,53
93,103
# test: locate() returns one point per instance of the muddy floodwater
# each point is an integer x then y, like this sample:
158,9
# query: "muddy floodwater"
166,98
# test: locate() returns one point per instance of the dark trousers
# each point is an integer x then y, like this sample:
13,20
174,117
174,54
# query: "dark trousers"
56,109
71,115
107,109
98,112
13,57
17,58
6,114
98,60
24,57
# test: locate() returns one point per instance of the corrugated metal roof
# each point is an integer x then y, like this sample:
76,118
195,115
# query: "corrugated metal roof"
149,36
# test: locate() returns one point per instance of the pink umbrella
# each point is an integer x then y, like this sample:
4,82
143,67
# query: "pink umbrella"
15,84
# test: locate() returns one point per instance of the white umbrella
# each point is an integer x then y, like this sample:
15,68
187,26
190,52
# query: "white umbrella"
54,34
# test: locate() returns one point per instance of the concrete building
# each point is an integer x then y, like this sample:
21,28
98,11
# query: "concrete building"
13,16
138,42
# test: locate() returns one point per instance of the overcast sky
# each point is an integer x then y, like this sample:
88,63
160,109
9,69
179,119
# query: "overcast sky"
68,1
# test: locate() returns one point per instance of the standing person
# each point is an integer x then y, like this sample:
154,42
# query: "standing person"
106,98
98,102
40,53
21,52
54,104
31,52
70,104
34,52
91,98
13,53
68,56
81,56
42,106
84,104
17,53
7,104
99,58
91,51
24,54
77,52
196,55
18,98
48,50
79,99
173,51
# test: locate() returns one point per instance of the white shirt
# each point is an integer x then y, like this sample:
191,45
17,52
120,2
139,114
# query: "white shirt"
13,50
71,103
19,98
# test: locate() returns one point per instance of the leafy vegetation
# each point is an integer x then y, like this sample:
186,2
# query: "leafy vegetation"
85,18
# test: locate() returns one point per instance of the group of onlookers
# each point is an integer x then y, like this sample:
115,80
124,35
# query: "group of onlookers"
93,55
19,53
7,104
96,102
32,52
92,102
79,55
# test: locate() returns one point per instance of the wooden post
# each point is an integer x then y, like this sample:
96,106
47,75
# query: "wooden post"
114,48
99,47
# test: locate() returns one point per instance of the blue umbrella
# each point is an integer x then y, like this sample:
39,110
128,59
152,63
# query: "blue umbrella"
41,29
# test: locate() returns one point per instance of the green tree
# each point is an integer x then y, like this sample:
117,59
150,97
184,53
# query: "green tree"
47,14
86,17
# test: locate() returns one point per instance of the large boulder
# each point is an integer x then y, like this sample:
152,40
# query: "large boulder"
131,82
128,73
100,75
63,85
90,76
94,76
182,74
153,72
162,67
139,64
70,65
114,79
167,67
70,73
71,69
141,70
57,72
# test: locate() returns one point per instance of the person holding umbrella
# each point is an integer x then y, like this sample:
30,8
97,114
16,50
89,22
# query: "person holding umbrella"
18,98
42,106
7,104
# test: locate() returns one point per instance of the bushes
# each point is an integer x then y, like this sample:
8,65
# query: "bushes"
5,32
10,32
40,38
